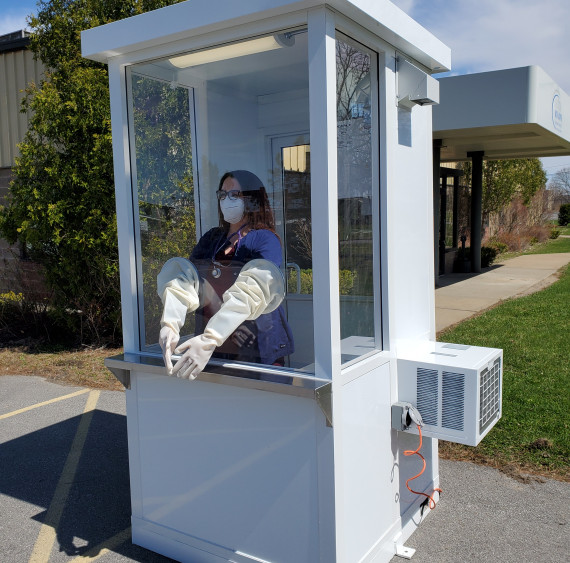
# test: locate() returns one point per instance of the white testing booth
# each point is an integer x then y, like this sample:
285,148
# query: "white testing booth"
328,103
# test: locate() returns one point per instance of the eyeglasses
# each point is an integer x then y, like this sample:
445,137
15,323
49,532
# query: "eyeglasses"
232,194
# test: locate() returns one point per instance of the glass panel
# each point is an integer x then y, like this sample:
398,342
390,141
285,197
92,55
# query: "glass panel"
356,199
297,208
294,153
161,131
244,96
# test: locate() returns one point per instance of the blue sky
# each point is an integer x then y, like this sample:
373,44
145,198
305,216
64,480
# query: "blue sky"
494,34
483,35
13,14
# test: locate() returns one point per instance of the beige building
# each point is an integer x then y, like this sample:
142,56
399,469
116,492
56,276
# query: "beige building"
17,69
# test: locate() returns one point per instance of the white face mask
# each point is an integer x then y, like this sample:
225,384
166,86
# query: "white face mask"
232,211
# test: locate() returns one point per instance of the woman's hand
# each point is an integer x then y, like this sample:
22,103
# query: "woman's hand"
243,337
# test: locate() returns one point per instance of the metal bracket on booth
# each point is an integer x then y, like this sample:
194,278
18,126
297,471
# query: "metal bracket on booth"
123,375
405,552
323,396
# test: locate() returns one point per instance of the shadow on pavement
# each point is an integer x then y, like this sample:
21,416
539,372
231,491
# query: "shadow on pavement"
445,280
98,506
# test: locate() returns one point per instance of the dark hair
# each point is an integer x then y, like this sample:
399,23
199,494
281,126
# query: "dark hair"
258,212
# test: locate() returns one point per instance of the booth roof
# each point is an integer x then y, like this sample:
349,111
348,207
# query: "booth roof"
187,19
511,113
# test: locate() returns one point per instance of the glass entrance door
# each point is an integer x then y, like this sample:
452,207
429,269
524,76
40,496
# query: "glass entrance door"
291,158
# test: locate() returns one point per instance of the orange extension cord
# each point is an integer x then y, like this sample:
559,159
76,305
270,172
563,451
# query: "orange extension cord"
432,502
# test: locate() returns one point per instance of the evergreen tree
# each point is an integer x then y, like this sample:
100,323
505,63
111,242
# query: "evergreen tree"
62,206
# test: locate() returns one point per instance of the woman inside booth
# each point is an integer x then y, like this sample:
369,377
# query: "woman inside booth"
232,282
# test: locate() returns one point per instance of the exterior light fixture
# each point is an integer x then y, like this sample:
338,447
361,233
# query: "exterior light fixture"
414,86
234,50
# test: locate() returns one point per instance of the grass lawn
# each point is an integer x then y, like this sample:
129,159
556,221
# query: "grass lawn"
534,332
554,246
561,244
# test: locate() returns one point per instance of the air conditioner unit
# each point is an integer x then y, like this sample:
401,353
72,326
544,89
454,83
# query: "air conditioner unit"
457,389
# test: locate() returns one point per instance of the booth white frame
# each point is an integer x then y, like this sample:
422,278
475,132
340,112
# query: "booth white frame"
358,508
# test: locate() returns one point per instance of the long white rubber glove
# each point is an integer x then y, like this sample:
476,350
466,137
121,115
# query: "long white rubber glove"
258,289
177,285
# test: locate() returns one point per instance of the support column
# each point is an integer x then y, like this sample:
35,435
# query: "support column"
455,211
476,208
442,222
437,144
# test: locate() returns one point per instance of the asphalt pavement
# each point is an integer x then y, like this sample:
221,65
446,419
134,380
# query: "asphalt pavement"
64,467
64,479
484,516
64,475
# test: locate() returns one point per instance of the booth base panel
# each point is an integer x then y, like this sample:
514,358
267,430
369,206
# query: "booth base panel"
182,547
226,470
175,545
223,473
188,549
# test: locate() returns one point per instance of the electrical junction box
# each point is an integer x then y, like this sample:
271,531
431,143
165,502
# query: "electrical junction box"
457,389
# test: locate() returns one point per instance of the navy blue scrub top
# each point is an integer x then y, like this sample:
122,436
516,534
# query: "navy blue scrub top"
274,337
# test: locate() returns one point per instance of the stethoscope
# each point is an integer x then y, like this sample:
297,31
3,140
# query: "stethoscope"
216,270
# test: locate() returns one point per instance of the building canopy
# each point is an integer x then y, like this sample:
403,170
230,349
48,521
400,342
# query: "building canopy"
512,113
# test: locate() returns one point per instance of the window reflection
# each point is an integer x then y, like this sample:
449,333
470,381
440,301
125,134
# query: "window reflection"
161,127
297,190
355,193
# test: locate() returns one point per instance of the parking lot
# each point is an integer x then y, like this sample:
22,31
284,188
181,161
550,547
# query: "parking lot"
64,490
64,478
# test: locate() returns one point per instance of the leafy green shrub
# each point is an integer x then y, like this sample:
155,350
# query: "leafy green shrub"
488,255
22,317
554,233
11,314
564,214
347,279
10,299
533,240
306,282
498,245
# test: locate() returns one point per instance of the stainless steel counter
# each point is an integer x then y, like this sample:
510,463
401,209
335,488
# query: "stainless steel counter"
250,376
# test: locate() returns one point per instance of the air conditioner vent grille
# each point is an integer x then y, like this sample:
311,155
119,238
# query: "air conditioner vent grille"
490,394
427,395
452,400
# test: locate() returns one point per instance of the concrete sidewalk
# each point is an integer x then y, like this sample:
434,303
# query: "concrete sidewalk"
460,296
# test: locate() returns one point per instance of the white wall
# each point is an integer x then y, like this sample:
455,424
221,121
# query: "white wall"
409,217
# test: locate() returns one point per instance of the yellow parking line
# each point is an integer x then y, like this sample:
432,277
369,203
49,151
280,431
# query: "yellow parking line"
104,547
47,535
13,413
